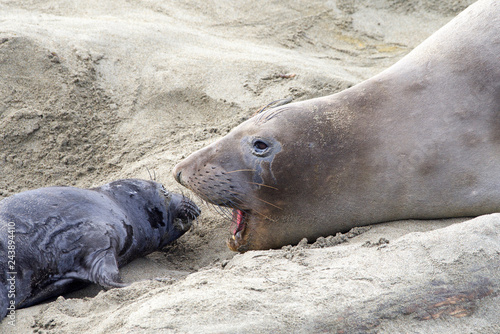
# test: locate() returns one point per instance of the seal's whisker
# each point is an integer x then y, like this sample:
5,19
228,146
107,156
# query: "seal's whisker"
247,211
152,177
261,214
231,204
225,210
216,208
213,207
220,211
229,212
205,200
149,172
261,184
255,183
241,170
259,199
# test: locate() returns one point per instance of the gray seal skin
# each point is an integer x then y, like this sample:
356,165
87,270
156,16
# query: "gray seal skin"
420,140
65,236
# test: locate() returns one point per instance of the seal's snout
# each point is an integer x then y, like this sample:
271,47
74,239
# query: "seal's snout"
177,173
177,177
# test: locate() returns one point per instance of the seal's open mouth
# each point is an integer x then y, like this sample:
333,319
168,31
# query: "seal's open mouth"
238,225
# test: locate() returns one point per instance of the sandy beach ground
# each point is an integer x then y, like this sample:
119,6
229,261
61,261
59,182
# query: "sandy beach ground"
94,91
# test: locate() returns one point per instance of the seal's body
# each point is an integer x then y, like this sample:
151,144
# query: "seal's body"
54,238
420,140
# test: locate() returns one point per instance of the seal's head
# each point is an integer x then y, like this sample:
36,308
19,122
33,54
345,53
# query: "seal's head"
266,170
148,202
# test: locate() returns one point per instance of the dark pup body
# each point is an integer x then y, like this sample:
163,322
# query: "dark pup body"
54,238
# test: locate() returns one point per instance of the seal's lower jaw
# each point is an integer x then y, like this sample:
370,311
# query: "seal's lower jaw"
239,239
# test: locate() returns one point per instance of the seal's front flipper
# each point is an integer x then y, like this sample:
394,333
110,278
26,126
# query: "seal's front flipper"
104,271
107,283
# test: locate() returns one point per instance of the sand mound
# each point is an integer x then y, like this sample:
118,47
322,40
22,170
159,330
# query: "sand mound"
95,91
350,288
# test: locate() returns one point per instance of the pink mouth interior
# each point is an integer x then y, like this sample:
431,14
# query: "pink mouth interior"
238,221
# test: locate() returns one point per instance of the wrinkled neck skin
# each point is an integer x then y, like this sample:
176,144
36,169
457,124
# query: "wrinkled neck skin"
152,211
420,140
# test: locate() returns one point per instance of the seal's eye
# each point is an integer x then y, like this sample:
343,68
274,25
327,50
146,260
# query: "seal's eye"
259,145
260,148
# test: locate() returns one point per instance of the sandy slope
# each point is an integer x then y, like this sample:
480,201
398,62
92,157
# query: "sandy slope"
92,91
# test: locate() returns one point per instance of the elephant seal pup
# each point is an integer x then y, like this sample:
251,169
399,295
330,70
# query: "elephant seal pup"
52,239
420,140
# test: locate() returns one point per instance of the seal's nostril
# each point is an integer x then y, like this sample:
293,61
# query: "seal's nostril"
178,177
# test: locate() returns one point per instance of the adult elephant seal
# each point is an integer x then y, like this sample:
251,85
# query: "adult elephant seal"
420,140
52,239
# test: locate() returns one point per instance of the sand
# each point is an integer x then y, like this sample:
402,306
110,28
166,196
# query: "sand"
93,91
